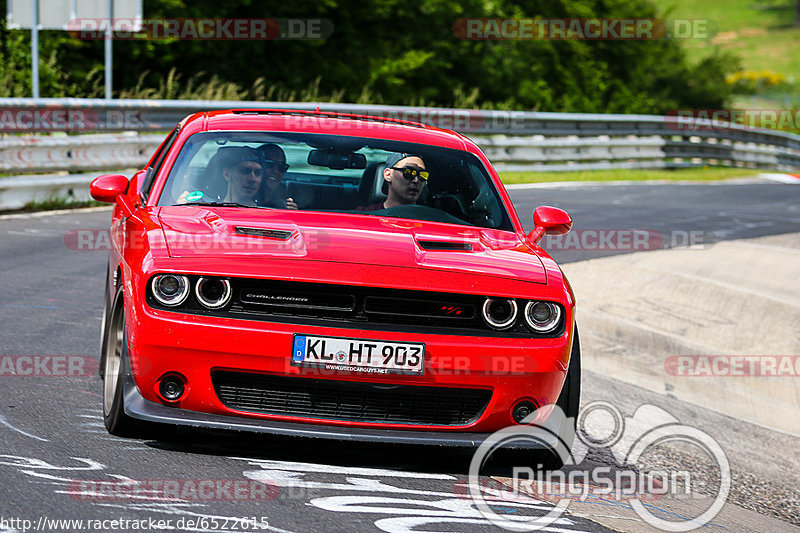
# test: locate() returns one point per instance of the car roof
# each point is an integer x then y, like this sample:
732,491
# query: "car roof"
276,120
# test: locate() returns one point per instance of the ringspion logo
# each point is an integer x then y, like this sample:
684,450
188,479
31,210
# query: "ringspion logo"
630,439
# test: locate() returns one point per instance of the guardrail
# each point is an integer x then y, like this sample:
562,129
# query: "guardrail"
514,140
84,152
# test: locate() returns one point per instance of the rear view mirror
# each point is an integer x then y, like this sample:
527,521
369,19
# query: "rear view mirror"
324,158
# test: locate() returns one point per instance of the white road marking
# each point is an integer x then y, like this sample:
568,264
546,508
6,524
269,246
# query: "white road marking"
7,424
369,495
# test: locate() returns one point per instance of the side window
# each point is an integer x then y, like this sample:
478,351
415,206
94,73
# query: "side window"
158,160
486,209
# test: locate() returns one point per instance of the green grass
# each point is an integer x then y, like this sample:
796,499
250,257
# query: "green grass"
684,174
54,203
760,32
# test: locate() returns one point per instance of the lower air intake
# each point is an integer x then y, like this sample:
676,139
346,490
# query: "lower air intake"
347,400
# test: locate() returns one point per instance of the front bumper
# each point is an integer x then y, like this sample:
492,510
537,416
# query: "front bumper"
138,407
162,343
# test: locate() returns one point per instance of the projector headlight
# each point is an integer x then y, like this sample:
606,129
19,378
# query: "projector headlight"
170,289
213,293
542,317
500,313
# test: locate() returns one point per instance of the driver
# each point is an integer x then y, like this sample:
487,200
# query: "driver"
406,177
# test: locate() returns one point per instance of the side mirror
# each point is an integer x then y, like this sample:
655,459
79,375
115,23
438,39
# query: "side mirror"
549,221
107,187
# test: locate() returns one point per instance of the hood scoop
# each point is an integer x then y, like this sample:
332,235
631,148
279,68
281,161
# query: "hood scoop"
445,246
278,234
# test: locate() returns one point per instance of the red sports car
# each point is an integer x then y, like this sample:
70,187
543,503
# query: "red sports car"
330,276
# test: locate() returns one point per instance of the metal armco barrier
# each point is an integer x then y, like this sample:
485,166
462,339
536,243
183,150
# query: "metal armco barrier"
82,152
513,140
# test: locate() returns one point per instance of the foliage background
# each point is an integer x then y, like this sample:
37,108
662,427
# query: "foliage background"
385,51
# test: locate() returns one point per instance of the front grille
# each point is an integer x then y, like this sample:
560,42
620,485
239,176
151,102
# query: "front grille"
356,307
347,400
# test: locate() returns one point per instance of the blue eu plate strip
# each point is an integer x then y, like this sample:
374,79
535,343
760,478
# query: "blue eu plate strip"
299,350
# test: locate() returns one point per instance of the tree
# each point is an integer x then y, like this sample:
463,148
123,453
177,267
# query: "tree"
400,52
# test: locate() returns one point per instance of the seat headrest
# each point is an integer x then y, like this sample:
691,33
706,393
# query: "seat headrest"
372,188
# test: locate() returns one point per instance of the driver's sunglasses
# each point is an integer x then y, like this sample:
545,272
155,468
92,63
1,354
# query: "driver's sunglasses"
411,173
246,171
280,166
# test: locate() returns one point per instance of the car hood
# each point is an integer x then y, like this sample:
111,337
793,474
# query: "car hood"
217,232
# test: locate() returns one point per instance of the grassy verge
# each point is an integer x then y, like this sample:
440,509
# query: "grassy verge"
683,174
55,203
758,31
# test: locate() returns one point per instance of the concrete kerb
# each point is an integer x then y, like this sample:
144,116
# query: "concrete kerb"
638,310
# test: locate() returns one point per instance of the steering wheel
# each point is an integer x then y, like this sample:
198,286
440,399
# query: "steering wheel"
421,212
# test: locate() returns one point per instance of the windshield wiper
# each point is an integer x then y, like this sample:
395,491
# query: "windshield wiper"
221,204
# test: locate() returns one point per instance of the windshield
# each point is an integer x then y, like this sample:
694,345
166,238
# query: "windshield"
334,173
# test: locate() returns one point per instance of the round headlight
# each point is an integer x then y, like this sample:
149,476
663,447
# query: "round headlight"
542,317
213,293
500,313
170,289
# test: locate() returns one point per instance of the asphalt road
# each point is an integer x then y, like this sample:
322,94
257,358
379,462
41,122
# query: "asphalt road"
681,215
53,444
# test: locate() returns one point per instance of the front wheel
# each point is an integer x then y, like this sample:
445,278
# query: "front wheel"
115,369
570,398
562,428
569,401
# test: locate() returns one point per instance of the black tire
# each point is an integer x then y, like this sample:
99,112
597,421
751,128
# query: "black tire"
569,401
104,325
116,369
570,398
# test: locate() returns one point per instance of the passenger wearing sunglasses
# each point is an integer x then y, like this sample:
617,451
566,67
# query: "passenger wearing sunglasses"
243,172
233,174
275,194
244,177
405,177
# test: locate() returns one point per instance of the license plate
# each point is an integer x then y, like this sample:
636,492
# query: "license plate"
360,355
